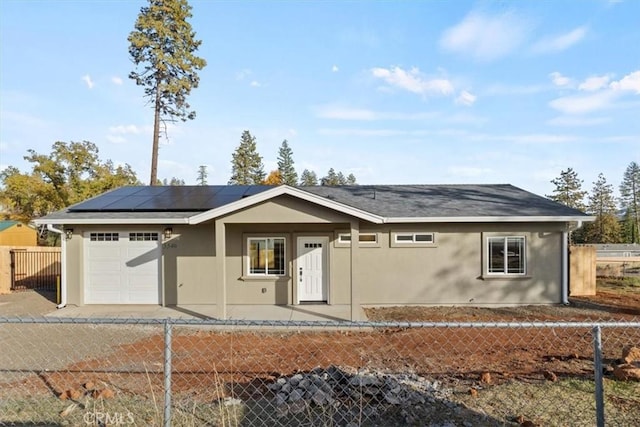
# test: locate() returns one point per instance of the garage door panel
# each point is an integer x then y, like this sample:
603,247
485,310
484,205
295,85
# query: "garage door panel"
123,271
104,267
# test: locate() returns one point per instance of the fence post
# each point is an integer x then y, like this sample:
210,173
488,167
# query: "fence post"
597,368
167,372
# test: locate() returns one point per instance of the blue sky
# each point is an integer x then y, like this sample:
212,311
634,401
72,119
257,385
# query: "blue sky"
395,92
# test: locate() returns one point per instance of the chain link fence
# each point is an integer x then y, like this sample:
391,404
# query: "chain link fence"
108,372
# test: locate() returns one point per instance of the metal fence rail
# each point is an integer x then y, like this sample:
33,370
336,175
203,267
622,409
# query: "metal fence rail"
34,270
213,372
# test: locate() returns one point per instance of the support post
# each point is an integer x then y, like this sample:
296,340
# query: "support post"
167,372
355,265
597,368
221,275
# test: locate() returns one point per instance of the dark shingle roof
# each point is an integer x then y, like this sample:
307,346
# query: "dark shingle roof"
444,200
388,201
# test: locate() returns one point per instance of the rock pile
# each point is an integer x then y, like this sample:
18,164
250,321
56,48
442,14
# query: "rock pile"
629,368
334,387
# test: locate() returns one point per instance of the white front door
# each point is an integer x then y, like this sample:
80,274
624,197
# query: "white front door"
312,268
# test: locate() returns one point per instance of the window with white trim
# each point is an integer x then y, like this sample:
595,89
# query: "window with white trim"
143,237
104,237
411,238
362,238
266,256
506,255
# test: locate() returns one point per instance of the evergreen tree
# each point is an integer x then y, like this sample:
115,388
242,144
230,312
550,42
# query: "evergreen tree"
173,181
606,228
630,201
351,179
201,179
246,163
308,178
568,190
163,46
288,173
331,178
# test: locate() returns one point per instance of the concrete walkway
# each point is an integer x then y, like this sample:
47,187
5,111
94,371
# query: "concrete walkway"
319,312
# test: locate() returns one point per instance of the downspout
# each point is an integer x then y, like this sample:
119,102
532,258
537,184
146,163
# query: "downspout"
565,268
565,261
63,266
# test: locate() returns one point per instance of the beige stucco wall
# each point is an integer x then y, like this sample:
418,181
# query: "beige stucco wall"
288,217
452,271
189,265
449,273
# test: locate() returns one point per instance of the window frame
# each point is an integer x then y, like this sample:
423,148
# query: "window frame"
505,273
414,242
273,238
343,239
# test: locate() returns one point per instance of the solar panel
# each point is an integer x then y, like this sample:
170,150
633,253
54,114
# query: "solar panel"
168,198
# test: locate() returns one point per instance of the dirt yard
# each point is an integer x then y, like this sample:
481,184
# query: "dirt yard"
211,364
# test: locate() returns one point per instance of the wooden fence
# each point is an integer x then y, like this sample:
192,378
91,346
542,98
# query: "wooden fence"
40,270
582,270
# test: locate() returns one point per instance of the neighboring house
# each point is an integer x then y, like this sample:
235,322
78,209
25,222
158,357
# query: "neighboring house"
15,233
481,245
616,250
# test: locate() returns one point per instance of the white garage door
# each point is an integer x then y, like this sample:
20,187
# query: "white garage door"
122,268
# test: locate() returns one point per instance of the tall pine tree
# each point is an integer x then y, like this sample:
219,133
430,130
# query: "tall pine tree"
201,178
308,178
288,173
163,46
602,204
568,190
246,163
630,202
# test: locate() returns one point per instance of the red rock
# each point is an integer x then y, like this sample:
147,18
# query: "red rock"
485,377
550,376
473,392
627,371
631,354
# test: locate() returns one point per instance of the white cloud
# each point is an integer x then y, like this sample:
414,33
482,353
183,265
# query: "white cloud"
466,98
254,83
87,79
629,82
560,42
573,121
486,37
413,81
116,80
581,104
335,69
560,80
594,83
126,129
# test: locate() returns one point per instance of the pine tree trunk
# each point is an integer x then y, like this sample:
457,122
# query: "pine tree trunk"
156,137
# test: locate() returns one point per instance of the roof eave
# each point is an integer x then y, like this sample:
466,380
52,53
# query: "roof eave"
110,221
460,219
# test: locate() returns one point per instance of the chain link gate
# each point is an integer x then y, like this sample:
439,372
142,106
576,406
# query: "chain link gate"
249,373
